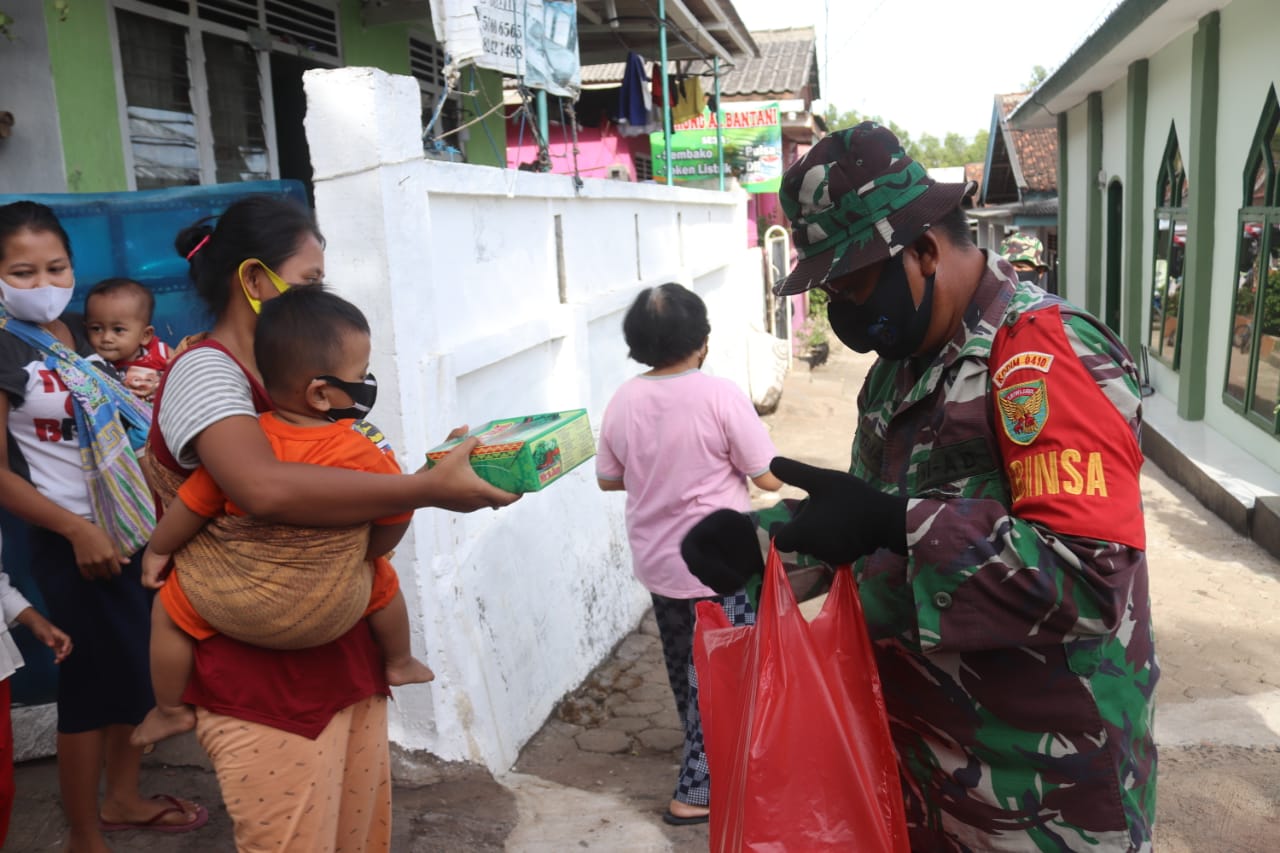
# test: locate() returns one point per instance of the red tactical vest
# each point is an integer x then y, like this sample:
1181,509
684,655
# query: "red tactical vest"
1071,459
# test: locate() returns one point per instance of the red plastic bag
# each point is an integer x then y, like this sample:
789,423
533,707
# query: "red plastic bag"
796,733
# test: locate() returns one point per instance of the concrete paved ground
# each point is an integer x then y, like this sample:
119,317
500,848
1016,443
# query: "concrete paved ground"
598,774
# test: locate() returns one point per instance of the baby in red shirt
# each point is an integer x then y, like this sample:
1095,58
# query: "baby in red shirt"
117,318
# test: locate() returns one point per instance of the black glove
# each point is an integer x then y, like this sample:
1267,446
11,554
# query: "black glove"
844,518
722,551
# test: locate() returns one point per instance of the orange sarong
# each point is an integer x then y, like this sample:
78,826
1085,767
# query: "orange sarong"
276,586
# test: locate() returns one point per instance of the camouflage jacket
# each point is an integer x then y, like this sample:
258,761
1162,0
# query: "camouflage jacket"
1017,660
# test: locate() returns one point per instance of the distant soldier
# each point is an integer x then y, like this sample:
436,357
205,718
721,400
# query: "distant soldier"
1026,254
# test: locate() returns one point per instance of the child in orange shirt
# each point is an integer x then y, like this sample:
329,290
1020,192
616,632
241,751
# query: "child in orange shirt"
312,348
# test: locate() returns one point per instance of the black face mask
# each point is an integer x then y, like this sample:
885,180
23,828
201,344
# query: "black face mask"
363,395
889,321
1032,276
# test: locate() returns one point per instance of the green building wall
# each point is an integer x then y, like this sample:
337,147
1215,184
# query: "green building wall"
79,52
89,113
487,145
385,46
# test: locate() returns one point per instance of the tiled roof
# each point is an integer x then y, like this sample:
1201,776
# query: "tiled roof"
787,62
973,172
1036,150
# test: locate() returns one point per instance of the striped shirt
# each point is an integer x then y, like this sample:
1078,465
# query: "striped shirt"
203,387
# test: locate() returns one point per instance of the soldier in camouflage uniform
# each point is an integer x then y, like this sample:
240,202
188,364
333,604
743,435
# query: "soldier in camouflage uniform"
992,512
1026,254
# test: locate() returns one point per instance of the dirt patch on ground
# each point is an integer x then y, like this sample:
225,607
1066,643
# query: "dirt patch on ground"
465,809
1218,798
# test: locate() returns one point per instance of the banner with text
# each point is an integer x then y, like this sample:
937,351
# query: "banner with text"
534,38
752,149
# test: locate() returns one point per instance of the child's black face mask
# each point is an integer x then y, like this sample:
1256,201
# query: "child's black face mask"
363,395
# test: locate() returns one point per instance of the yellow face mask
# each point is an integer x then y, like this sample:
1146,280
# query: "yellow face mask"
280,284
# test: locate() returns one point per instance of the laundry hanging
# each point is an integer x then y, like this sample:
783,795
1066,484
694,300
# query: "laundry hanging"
635,101
690,103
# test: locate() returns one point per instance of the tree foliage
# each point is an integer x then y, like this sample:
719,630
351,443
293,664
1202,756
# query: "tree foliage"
1038,75
953,149
62,7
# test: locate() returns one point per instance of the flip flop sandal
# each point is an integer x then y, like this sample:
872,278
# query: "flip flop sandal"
675,820
154,824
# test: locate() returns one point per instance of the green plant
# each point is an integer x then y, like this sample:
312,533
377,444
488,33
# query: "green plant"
1171,304
1246,299
62,7
814,329
1271,305
812,333
1247,303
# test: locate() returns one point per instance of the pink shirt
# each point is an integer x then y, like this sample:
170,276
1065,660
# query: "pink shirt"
683,445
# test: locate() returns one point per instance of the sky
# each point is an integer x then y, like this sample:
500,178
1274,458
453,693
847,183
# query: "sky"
931,66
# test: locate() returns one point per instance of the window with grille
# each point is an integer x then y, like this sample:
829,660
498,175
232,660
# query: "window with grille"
197,85
235,111
1164,336
162,129
426,63
644,167
1252,384
307,25
313,27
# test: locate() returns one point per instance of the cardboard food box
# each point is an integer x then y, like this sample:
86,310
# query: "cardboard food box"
525,454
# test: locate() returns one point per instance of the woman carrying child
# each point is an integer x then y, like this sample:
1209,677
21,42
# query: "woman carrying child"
274,585
681,444
88,577
298,737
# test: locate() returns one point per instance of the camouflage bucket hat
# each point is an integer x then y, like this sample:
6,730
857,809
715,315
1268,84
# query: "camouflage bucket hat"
1019,247
857,198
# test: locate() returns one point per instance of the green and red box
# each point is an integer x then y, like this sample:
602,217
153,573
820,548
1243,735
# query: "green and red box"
528,453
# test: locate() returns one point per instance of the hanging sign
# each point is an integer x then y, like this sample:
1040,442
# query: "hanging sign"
752,149
533,39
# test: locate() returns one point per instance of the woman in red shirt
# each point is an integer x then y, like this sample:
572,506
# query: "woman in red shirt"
298,738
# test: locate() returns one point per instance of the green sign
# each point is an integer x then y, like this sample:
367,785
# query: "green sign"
752,149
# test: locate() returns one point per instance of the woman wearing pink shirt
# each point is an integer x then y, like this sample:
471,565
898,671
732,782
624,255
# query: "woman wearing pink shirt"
681,444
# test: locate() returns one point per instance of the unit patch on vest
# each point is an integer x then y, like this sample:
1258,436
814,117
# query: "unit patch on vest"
372,433
1024,408
1040,361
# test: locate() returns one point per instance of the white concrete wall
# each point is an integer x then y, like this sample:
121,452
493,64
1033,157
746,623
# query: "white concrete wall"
1115,140
1168,103
456,268
1080,185
1249,66
31,158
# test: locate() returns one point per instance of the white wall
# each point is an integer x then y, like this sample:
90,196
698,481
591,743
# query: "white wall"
1249,66
1080,186
456,267
31,158
1115,140
1168,102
